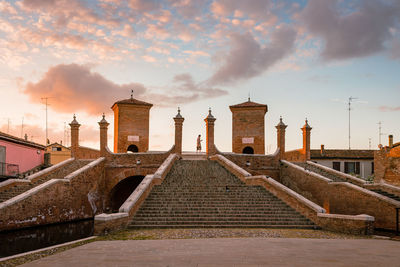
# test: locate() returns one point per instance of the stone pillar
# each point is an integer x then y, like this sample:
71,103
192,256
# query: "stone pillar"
390,141
306,141
74,137
178,132
281,129
103,135
210,147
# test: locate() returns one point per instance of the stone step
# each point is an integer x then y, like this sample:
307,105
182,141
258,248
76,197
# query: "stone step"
194,195
149,226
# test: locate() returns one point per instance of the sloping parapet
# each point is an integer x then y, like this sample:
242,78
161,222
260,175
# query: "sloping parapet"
256,164
340,197
105,223
76,196
335,222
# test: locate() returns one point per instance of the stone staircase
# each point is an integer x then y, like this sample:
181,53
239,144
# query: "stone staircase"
337,178
57,174
201,193
386,194
320,171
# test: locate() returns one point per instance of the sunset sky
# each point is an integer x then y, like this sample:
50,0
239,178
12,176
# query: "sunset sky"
304,59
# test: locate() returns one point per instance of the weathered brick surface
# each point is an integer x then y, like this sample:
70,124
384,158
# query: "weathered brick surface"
259,164
248,123
131,120
340,198
77,196
387,166
87,153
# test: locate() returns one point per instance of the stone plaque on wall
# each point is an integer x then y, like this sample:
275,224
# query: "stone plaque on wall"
133,138
248,140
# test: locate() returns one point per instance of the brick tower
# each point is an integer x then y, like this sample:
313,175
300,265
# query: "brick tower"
131,125
248,130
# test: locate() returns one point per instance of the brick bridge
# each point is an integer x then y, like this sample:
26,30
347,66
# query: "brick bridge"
112,187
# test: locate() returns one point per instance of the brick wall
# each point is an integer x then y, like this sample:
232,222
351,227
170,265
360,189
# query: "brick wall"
77,196
340,198
387,166
259,164
87,153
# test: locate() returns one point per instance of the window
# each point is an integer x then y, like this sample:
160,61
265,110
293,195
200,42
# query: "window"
372,168
352,167
56,149
336,165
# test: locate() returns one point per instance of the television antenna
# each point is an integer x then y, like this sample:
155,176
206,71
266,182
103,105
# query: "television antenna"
349,103
380,132
46,104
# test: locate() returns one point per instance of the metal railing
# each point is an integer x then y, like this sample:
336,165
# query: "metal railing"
9,170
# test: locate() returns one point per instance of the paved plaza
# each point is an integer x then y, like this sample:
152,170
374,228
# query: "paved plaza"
230,252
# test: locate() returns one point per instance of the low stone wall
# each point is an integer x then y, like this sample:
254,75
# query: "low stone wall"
360,224
340,197
77,196
87,153
105,223
256,164
54,170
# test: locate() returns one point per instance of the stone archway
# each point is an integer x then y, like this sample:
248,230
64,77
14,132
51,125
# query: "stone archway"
248,150
123,190
133,149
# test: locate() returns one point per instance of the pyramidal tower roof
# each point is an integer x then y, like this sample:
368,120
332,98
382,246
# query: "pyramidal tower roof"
249,104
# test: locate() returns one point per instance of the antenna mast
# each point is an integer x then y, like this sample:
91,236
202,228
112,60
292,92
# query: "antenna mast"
380,132
350,99
47,104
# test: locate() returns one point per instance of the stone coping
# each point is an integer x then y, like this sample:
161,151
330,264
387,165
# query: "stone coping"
46,248
316,175
112,216
390,188
29,193
140,153
34,176
360,217
136,194
231,165
369,192
273,155
84,168
315,207
341,174
49,183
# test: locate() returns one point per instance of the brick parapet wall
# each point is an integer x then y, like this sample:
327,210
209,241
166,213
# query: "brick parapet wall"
87,153
53,171
340,197
77,196
295,155
360,224
259,164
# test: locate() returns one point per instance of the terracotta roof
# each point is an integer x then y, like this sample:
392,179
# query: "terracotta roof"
342,154
21,141
132,101
248,104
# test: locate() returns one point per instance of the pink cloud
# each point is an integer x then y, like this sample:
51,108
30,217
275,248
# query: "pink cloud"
76,88
389,109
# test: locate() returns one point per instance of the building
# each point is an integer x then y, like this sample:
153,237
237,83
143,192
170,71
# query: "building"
352,161
387,163
18,155
58,153
248,127
131,125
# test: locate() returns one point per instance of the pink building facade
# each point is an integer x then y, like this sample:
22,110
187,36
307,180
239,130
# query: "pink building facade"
17,151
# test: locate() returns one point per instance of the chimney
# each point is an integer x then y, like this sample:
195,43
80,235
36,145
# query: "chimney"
390,141
26,137
322,149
